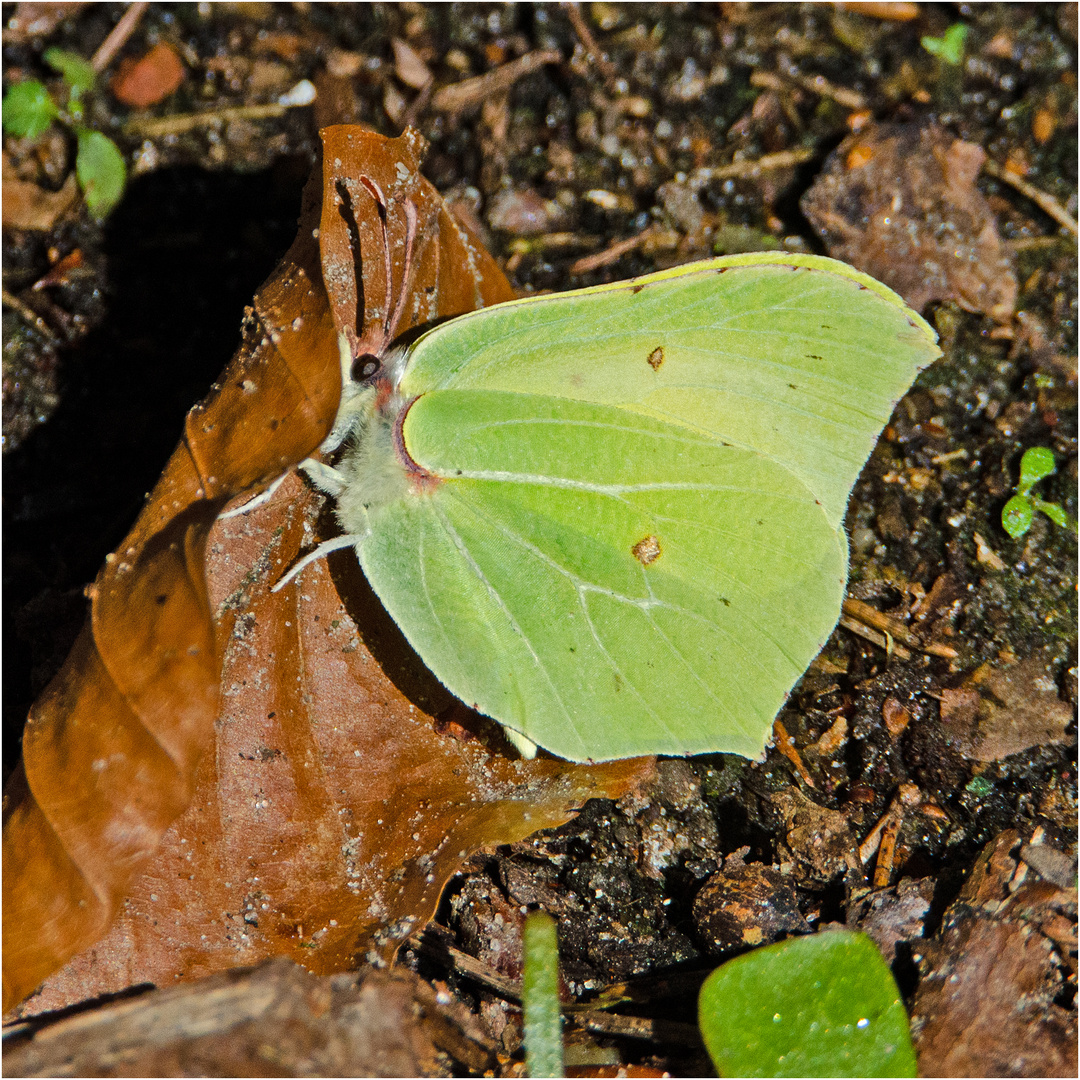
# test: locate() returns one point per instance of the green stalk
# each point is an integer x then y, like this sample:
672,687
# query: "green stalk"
540,997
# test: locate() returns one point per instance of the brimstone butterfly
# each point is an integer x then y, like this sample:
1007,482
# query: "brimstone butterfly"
612,519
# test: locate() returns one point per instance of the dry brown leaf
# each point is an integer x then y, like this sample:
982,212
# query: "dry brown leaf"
112,748
333,810
28,206
1002,711
900,203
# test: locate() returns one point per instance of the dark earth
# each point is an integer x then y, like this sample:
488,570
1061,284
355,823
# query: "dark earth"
632,150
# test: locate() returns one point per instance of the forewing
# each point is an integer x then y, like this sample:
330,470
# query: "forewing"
799,358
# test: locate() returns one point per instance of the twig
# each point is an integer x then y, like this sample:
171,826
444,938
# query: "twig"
816,84
698,178
595,53
787,748
887,852
612,254
154,126
882,641
750,168
1046,203
118,36
870,616
462,962
638,1027
469,92
30,315
883,835
893,12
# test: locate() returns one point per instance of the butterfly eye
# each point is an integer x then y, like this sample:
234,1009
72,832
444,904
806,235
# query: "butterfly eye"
364,367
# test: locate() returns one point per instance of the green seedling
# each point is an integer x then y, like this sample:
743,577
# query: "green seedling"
821,1005
30,109
540,996
1018,513
948,48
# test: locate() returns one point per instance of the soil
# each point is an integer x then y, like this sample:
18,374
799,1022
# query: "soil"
635,151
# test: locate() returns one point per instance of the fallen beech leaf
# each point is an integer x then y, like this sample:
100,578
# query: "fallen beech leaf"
332,812
112,747
900,202
149,79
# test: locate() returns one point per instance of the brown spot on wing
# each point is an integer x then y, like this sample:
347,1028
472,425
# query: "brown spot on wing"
656,358
647,550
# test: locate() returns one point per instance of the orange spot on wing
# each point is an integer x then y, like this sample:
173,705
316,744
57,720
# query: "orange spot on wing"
647,550
656,358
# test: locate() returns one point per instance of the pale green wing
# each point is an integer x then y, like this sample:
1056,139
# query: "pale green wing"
624,534
606,583
798,357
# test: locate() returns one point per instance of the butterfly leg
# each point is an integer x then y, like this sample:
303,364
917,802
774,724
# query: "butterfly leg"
326,478
256,500
325,548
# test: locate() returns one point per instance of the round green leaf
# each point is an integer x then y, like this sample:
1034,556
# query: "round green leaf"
28,110
102,173
613,519
1016,516
821,1005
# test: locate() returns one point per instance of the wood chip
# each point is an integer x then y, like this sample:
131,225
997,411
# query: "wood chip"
833,739
896,717
986,555
893,12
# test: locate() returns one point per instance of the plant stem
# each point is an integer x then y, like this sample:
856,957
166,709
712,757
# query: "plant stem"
540,996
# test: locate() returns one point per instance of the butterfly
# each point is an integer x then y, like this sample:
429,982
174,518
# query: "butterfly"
612,519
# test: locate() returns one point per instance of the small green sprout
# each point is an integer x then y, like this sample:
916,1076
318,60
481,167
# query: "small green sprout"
950,46
540,996
76,72
1018,513
821,1005
29,111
